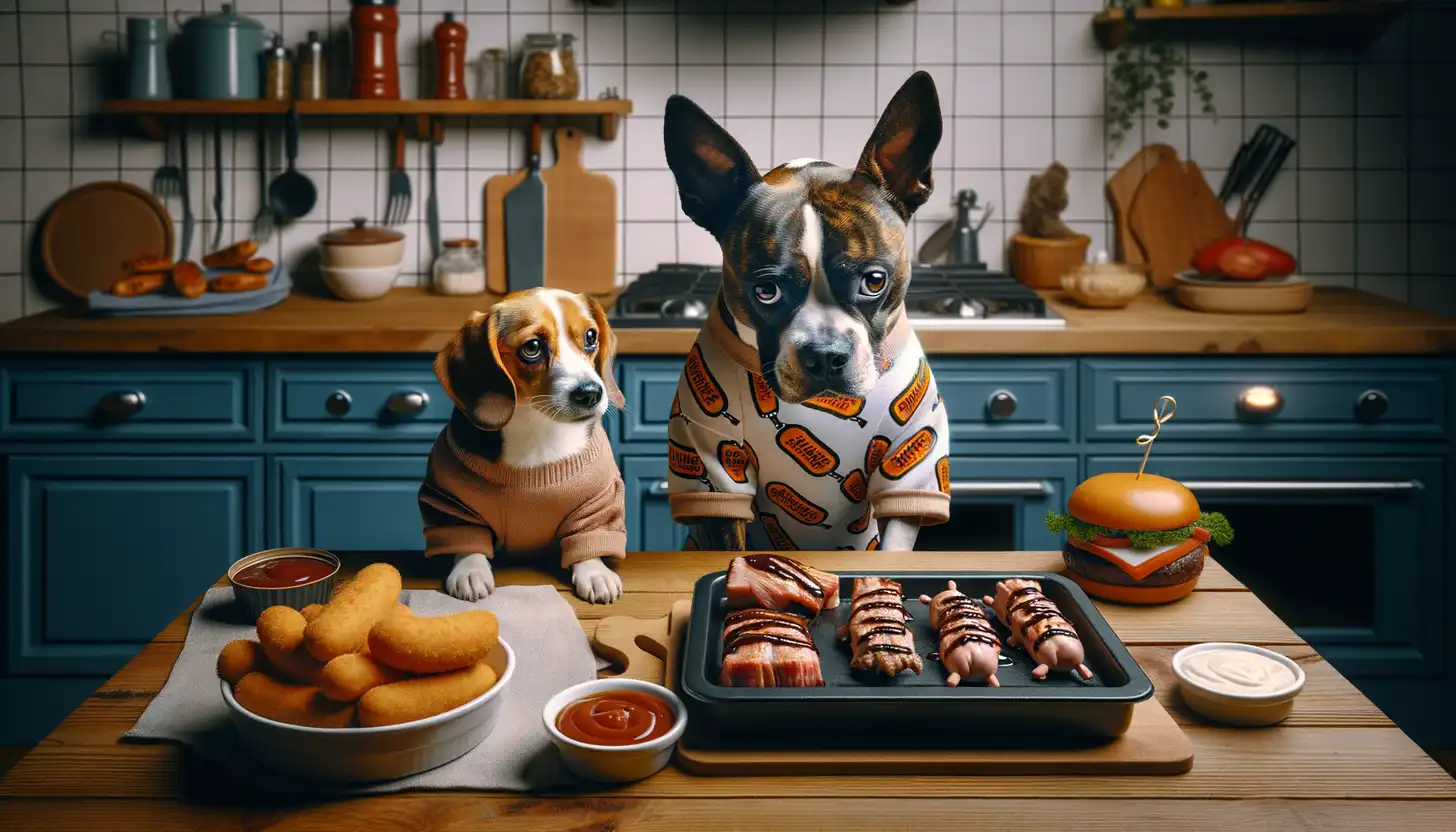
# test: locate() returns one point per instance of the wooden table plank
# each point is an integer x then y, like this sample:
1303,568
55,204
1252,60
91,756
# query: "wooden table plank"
455,811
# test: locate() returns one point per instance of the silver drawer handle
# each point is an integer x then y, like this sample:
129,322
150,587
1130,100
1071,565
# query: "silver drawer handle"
1304,486
128,403
992,488
412,403
658,488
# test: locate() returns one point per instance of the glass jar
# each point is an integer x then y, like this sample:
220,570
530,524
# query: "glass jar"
548,67
313,78
460,269
279,71
491,81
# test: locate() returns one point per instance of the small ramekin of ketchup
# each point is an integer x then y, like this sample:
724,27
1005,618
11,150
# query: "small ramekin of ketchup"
288,577
615,730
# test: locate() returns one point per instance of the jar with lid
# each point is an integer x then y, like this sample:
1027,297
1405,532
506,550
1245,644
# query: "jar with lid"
374,33
548,67
313,72
450,37
491,75
278,71
460,268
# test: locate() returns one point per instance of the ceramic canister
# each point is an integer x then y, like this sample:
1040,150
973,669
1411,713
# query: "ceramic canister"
146,46
224,52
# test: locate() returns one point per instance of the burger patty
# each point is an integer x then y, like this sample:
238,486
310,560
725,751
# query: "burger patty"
1084,563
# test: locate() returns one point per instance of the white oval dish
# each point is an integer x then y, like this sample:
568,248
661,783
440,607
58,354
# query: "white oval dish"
1244,709
615,763
360,755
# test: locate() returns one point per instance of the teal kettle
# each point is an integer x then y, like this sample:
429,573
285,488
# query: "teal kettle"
224,53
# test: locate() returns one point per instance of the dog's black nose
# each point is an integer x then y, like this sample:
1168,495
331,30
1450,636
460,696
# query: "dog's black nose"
824,362
586,394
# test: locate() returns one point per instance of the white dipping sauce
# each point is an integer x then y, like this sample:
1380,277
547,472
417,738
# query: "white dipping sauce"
1238,672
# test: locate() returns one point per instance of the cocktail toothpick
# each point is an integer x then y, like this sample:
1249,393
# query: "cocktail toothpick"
1163,410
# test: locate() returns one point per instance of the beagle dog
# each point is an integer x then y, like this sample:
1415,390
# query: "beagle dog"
524,465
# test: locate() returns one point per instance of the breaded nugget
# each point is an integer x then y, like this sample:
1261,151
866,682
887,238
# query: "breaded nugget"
434,645
295,704
344,625
350,676
238,659
281,628
293,665
424,696
311,611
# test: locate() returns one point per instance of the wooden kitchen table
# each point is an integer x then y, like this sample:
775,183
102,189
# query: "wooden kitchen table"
1336,763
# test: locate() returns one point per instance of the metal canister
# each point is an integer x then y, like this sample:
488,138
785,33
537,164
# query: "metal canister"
146,46
222,50
278,71
313,79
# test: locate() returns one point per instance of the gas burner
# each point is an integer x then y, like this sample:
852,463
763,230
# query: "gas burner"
681,295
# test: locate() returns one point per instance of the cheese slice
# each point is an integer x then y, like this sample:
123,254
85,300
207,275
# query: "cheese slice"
1140,563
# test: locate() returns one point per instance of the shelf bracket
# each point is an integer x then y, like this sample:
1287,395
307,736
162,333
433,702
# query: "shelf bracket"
152,127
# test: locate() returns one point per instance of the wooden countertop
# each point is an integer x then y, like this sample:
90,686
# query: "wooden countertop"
410,320
1335,763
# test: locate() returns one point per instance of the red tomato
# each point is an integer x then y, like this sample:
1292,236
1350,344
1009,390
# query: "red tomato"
1243,259
1242,263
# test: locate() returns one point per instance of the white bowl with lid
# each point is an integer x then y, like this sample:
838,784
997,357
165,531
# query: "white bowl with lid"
1238,684
361,246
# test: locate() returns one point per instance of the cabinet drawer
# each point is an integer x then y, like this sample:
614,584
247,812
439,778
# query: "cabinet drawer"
350,504
152,401
1314,399
387,402
1033,400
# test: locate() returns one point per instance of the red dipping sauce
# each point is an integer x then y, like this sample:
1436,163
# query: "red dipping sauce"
617,717
280,573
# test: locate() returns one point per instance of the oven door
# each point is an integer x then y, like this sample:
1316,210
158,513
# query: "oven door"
1346,550
999,504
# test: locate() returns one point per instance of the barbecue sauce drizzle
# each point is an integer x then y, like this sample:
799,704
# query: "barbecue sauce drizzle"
1040,608
963,615
891,626
787,569
755,621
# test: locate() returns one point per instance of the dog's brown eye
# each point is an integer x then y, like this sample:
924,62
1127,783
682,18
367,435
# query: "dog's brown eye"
874,282
589,340
531,351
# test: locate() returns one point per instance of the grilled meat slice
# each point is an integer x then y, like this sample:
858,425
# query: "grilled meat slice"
877,635
768,649
775,582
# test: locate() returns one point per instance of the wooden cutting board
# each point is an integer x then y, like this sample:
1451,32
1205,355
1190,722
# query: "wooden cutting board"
91,232
1209,218
1122,188
649,649
581,222
1161,220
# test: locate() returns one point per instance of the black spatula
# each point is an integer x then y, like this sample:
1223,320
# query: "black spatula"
525,214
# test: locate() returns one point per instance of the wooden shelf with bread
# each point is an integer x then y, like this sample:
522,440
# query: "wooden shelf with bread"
1350,21
152,115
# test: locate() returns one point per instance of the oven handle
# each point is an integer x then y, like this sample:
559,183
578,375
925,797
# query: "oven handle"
994,488
1304,486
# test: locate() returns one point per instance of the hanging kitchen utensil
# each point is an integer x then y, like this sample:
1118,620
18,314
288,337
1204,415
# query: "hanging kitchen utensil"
91,233
1282,148
581,207
401,195
292,194
217,182
525,215
263,220
188,221
432,205
1122,190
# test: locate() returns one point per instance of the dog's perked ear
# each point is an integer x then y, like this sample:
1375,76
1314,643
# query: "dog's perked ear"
606,352
471,371
898,154
714,174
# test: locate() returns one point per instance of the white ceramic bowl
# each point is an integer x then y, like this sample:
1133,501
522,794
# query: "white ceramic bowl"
1244,709
615,763
360,755
360,283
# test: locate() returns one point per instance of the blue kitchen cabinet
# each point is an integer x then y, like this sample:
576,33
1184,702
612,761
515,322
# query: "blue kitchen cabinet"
648,385
106,550
350,504
650,527
1000,504
378,400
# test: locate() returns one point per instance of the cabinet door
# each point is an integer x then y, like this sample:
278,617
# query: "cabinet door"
650,527
106,551
1348,551
351,504
1000,504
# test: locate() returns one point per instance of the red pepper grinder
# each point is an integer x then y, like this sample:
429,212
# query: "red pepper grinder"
450,37
374,28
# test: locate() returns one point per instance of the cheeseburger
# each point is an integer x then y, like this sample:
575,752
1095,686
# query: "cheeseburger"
1136,539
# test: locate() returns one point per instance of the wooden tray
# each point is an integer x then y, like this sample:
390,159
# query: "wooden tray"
649,649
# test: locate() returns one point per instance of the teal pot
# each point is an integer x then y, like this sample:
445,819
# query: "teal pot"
224,53
146,46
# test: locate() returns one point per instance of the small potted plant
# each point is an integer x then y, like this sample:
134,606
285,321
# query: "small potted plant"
1142,75
1045,248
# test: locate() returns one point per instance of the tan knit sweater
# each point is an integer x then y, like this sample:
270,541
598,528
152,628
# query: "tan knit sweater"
470,504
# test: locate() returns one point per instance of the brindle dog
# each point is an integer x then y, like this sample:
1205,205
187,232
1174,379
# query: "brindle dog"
816,258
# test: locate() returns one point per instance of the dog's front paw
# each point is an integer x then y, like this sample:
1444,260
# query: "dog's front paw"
471,579
595,582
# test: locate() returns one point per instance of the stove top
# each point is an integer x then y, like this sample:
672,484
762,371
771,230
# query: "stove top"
679,295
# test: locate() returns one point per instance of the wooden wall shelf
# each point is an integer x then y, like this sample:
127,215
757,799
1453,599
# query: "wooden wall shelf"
151,114
1359,21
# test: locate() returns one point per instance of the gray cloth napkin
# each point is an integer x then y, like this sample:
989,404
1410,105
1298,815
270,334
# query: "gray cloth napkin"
211,303
552,654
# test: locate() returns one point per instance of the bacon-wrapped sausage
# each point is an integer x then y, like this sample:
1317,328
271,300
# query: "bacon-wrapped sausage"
1038,627
969,648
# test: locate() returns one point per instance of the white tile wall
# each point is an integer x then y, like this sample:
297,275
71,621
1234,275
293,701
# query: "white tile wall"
1366,199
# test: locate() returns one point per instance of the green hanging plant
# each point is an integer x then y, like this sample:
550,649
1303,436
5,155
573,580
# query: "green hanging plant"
1142,75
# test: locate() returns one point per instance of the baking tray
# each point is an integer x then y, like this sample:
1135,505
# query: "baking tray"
856,709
